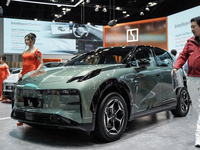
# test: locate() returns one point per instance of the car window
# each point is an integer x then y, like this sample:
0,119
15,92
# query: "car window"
102,56
163,58
144,57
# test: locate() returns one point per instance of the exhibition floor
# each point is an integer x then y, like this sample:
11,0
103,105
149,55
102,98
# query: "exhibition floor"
156,132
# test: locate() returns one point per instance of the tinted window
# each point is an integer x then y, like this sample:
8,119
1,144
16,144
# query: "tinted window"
102,56
162,57
144,57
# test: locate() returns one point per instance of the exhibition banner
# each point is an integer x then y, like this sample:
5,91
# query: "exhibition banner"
179,28
52,37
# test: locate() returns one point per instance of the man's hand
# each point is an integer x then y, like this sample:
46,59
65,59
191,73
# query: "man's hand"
173,70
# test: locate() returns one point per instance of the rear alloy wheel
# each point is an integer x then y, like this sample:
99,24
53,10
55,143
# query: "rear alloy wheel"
111,118
183,103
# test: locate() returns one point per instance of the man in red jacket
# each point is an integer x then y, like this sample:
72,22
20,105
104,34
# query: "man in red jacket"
191,52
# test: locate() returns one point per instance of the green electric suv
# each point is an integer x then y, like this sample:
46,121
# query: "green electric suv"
100,91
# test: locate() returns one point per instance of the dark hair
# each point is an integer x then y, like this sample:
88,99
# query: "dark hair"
197,19
31,36
174,52
3,58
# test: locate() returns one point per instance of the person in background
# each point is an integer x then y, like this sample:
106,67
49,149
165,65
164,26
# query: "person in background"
4,73
32,58
174,52
191,54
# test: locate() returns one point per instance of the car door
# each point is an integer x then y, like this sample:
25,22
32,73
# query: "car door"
165,62
147,81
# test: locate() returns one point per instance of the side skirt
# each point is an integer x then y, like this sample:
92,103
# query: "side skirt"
155,110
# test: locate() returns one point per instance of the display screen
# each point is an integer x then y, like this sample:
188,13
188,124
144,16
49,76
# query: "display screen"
52,37
179,30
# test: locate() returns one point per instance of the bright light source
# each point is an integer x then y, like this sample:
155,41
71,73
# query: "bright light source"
124,12
151,4
118,8
35,19
88,23
141,13
127,15
8,3
147,9
104,9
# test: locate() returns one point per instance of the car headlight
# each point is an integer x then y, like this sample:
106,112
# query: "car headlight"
86,77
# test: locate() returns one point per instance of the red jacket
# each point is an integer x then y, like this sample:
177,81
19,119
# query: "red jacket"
191,52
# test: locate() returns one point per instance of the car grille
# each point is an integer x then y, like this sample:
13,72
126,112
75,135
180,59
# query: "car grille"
41,118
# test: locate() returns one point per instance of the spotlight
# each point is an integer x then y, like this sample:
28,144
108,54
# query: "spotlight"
147,9
124,12
127,15
8,3
151,4
141,13
97,8
87,1
112,22
104,9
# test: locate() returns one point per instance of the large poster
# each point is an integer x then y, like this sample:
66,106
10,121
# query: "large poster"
179,29
52,37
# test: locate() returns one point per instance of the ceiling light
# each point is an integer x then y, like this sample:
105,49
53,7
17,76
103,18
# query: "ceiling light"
88,23
58,5
71,22
118,8
151,4
112,22
72,1
104,9
35,19
64,12
63,8
127,15
147,9
68,9
87,1
8,3
53,20
141,13
124,12
96,9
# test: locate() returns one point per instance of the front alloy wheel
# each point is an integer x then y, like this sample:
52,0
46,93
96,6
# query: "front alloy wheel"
112,117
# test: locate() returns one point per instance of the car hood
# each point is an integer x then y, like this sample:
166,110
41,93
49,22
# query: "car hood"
62,74
12,78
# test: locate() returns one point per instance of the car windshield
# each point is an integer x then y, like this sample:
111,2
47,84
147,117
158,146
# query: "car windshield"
102,56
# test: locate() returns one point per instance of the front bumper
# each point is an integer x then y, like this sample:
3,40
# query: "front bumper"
50,120
56,108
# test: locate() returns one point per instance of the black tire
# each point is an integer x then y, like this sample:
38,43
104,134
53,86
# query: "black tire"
183,103
112,118
12,101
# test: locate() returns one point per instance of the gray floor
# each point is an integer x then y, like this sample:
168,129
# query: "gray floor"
158,132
